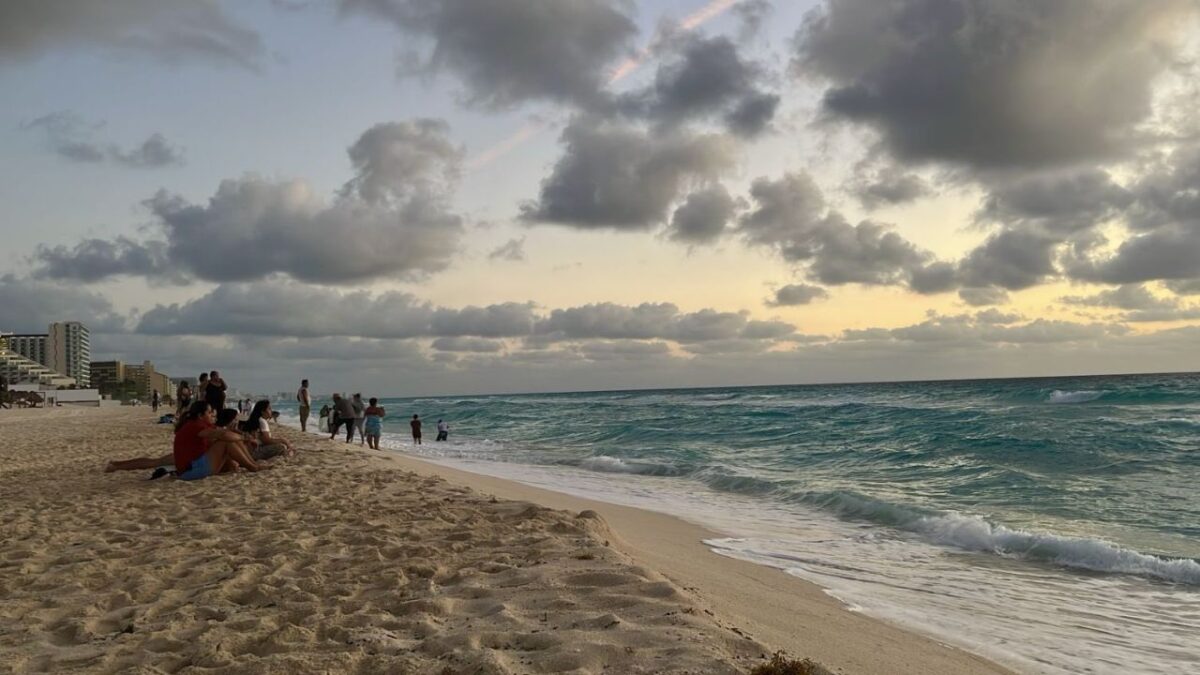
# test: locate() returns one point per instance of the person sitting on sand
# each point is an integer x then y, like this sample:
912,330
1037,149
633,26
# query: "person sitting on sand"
258,424
373,422
203,449
183,397
416,429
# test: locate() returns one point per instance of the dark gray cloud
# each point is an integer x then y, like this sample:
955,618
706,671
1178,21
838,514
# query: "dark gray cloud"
702,77
1164,221
96,259
624,178
790,215
165,31
512,250
1140,304
984,297
703,216
993,83
1012,259
888,186
1130,296
29,306
797,294
68,136
1056,202
507,52
392,220
1191,287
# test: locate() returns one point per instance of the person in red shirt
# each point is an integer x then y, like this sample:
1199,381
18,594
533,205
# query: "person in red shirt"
203,449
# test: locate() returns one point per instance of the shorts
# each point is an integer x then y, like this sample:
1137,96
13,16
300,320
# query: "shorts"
200,468
264,452
304,411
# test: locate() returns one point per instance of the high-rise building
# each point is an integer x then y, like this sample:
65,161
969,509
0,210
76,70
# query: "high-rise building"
107,374
18,369
32,347
69,351
147,379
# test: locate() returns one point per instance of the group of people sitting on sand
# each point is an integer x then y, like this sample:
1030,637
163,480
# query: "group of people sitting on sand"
211,440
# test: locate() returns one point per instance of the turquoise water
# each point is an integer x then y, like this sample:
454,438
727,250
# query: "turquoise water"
1051,524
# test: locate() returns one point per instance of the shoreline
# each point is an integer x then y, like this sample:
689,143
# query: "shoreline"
345,559
786,612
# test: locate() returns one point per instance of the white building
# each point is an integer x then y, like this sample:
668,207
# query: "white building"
65,348
69,351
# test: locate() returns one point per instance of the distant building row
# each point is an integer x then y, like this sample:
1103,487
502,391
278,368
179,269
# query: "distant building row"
64,353
110,377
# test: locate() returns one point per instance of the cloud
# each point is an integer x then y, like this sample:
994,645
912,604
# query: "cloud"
622,178
164,31
650,321
391,220
1164,220
296,310
797,294
988,328
1012,259
703,216
702,77
512,250
790,215
507,52
1056,202
29,306
470,345
994,83
983,297
96,259
1140,304
888,186
751,15
70,138
1130,296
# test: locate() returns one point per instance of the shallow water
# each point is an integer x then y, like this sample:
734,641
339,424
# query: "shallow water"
1050,524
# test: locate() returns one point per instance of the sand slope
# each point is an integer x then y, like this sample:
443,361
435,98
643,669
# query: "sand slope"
334,562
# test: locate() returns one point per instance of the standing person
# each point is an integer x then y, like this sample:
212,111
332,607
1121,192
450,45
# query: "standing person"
214,393
416,429
373,423
359,407
154,401
305,404
201,386
343,413
183,397
443,431
323,421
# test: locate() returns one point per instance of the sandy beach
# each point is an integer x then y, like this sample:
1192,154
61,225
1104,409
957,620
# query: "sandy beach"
347,560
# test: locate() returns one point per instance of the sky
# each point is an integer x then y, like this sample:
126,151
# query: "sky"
431,197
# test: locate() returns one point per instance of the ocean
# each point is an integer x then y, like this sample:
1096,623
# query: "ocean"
1052,525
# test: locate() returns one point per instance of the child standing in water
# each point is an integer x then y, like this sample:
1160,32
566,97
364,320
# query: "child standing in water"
373,422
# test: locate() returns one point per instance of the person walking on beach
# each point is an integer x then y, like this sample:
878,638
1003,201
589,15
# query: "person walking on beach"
305,404
154,401
443,431
343,413
416,429
359,408
214,393
373,423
